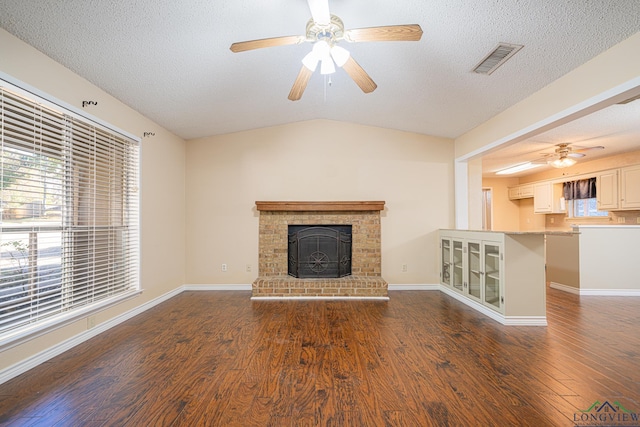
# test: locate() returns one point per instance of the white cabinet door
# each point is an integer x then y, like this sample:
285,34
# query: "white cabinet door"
493,287
526,191
514,193
607,190
548,198
630,187
445,261
542,197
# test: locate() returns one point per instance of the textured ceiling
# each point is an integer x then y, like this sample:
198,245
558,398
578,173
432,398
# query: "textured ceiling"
171,61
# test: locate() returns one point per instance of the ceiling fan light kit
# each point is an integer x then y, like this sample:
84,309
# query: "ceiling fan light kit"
325,31
562,162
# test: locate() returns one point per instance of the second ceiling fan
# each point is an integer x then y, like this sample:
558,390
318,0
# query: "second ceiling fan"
325,31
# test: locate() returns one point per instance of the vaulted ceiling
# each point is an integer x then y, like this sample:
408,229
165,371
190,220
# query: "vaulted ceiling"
170,60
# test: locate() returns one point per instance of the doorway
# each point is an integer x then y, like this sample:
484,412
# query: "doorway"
487,209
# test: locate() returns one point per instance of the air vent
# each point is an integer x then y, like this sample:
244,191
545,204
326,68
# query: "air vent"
496,58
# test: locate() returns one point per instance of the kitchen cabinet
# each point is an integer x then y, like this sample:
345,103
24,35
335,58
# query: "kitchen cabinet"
548,198
484,273
523,191
630,187
503,273
618,189
452,263
607,190
473,268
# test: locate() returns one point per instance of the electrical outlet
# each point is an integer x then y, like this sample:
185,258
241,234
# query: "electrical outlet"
552,220
621,220
248,268
224,267
91,322
404,268
638,220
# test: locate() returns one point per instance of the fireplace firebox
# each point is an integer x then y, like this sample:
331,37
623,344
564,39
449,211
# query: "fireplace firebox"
319,251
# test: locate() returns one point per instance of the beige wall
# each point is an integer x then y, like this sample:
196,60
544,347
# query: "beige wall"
316,160
162,184
506,213
563,260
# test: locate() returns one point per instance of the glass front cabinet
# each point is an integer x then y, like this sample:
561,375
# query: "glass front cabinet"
501,274
474,269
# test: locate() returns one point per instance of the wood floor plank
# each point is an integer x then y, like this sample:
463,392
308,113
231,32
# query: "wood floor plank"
423,358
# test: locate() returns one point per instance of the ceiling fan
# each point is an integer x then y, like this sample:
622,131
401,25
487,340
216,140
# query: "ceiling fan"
325,31
564,155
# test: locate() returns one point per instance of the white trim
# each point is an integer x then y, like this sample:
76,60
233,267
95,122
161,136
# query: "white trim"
610,292
416,287
525,321
596,292
500,318
564,288
39,358
461,194
211,287
581,109
319,298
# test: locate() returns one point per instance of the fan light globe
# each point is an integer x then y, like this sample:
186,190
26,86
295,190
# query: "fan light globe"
340,55
563,162
321,49
310,61
327,67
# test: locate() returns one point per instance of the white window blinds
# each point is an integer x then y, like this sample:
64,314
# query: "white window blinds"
68,215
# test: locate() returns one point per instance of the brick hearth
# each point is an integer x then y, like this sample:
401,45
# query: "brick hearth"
364,217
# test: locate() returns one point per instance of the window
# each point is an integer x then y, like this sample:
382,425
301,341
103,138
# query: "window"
585,208
68,215
581,195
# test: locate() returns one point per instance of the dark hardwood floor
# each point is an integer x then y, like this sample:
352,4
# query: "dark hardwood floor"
421,359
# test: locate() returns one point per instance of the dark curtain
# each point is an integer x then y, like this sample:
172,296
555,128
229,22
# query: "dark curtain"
581,189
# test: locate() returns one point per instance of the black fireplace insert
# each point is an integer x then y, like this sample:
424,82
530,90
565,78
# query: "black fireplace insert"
319,251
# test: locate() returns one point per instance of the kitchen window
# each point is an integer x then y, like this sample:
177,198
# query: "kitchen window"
68,215
581,195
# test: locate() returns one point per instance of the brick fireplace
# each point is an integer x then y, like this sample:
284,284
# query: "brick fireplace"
365,280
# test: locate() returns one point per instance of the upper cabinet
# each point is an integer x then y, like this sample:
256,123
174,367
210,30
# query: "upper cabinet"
619,189
548,198
607,190
523,191
630,187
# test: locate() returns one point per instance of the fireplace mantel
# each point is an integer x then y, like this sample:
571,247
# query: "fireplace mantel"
338,206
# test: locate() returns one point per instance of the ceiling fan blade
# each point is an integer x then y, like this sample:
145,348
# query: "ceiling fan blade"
585,149
410,32
575,155
300,84
320,11
359,75
262,43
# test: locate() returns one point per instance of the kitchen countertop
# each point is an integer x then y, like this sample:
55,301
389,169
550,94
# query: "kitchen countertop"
542,232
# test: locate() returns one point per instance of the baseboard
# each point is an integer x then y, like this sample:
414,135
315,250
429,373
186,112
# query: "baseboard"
596,292
416,287
500,318
230,287
35,360
525,321
319,298
610,292
564,288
